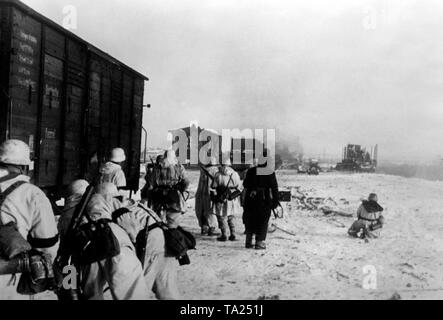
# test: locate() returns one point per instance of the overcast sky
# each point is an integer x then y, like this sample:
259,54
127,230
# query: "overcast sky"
330,72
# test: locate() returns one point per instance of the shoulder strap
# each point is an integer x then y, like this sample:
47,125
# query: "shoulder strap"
230,180
153,226
10,190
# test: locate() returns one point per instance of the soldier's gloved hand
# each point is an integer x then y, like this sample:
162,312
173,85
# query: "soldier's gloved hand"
275,205
131,222
182,186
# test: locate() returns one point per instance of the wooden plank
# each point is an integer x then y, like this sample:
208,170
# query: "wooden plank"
55,43
51,120
53,67
24,76
48,167
21,107
139,87
5,50
24,128
77,53
52,94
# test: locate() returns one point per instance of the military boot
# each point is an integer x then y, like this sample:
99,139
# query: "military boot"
223,236
231,229
204,230
260,245
212,232
248,244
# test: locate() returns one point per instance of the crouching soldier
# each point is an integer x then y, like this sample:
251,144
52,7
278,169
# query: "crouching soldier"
74,195
369,219
25,207
226,199
123,272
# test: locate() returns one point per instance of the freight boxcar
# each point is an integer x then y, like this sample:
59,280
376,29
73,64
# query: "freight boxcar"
70,101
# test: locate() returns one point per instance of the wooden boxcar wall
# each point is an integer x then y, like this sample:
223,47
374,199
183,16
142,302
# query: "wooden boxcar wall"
69,103
5,47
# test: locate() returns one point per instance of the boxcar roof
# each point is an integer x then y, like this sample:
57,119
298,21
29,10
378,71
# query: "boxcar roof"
67,33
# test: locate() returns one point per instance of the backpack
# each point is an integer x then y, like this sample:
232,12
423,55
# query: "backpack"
12,242
39,276
178,241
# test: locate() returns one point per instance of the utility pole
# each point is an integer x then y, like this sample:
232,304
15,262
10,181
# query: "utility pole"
148,106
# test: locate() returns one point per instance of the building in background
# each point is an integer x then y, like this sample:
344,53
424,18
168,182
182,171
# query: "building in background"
193,146
358,159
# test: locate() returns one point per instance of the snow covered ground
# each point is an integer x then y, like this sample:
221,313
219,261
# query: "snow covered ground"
321,261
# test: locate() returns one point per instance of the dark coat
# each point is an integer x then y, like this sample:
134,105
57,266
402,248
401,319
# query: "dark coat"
258,207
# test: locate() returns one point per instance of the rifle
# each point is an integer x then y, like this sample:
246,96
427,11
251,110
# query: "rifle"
65,254
12,266
207,173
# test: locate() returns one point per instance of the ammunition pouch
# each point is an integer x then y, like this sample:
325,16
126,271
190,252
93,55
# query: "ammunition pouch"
166,197
234,194
37,274
221,195
178,242
218,196
94,242
376,226
12,242
36,267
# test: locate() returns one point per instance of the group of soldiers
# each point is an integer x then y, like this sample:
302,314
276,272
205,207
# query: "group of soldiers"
137,269
258,198
221,195
127,272
27,211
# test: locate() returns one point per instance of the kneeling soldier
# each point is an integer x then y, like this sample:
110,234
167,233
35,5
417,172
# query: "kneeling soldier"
369,219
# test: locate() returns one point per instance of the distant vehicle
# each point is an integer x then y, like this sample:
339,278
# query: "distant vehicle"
302,169
314,171
314,168
357,159
310,167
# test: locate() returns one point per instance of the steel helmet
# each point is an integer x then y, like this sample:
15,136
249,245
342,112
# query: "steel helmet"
118,155
213,161
373,197
227,162
15,152
107,189
171,157
78,187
